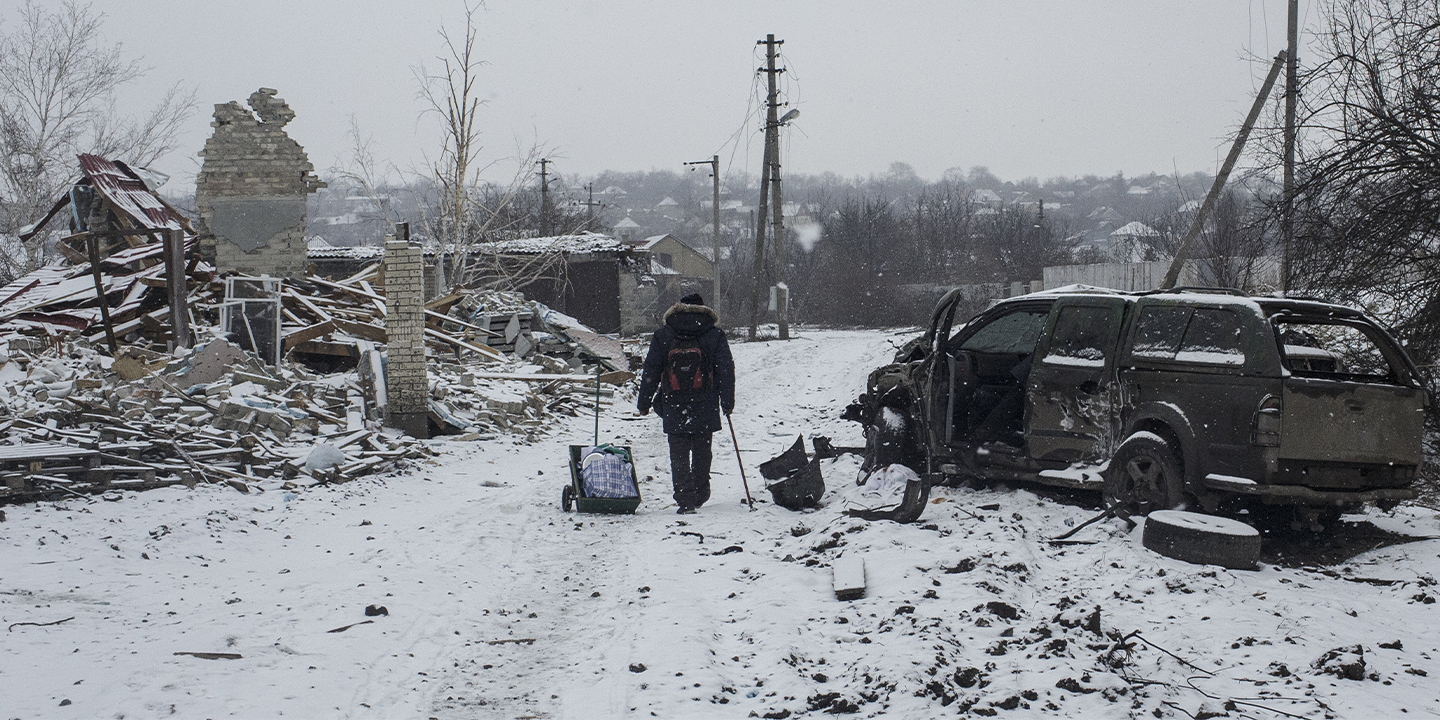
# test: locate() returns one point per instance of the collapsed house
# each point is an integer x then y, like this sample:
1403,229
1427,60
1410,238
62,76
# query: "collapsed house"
290,381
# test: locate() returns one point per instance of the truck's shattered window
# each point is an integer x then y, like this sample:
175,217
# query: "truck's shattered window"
1159,330
1013,334
1082,336
1333,350
1212,337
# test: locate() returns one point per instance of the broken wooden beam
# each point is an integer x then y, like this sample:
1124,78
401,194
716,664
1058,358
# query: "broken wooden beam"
312,332
483,350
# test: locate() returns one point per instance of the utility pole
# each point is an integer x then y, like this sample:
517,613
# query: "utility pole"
1292,91
590,204
714,163
544,199
777,206
769,173
761,278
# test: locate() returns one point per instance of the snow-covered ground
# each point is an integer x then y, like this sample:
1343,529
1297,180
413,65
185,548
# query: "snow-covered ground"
502,606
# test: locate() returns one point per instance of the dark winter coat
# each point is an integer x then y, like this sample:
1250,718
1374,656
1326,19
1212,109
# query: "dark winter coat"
689,413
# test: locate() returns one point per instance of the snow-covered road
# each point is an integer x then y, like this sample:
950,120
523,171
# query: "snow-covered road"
502,606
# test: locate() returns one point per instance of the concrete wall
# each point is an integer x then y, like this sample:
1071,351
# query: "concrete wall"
1117,276
639,301
251,190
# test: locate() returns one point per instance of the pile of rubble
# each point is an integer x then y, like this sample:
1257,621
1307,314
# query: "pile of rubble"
84,422
80,421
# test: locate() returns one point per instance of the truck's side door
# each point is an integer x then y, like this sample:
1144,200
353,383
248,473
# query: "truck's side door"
981,357
1070,400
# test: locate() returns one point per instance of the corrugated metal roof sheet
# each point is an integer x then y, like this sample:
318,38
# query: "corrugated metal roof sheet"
129,194
579,244
572,244
363,252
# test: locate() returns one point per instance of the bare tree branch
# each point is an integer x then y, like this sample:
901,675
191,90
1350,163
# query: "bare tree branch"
58,83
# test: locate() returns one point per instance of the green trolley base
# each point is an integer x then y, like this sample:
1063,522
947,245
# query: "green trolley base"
573,495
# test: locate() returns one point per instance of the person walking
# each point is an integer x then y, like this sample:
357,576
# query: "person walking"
689,378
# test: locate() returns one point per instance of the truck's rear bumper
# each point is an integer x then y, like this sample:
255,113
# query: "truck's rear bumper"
1304,495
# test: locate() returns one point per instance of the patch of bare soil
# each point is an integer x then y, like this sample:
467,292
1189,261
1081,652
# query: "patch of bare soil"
1337,543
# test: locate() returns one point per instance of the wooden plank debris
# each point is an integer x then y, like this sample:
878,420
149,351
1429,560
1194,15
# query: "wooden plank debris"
619,377
849,577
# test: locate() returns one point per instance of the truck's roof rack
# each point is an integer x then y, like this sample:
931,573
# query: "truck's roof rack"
1199,290
1301,298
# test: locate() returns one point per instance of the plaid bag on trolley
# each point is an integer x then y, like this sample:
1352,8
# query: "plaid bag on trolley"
605,472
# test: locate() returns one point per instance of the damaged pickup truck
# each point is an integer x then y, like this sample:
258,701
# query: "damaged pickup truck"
1160,400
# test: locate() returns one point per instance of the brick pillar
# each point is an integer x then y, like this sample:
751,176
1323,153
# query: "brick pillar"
405,378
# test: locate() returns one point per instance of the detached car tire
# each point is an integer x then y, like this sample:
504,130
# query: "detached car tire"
1202,539
1144,475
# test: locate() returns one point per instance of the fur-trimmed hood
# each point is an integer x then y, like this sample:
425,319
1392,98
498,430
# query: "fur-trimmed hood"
684,308
690,320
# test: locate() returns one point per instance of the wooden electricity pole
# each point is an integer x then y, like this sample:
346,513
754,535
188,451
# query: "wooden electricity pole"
1287,210
590,205
769,173
1198,224
544,199
777,207
714,163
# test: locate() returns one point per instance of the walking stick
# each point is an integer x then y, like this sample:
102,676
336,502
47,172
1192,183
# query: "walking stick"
741,463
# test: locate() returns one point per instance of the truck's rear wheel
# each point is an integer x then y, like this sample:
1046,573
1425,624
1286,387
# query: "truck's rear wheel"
1144,475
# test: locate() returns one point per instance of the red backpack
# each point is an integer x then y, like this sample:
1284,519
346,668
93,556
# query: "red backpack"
687,369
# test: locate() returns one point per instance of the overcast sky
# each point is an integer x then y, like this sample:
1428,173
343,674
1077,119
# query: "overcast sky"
1026,88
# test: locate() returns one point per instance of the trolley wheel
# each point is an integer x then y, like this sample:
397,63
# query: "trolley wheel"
567,498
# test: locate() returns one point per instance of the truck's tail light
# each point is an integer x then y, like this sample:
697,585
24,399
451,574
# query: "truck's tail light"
1267,422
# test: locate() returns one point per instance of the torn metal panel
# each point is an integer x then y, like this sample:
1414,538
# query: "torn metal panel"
128,194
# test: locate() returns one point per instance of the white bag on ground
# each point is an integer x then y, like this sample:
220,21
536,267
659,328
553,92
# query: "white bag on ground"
323,457
886,485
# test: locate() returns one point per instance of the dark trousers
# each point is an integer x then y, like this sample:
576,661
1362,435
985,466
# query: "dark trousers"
690,468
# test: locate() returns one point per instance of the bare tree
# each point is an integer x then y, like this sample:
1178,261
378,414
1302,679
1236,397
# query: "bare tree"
1367,231
58,83
468,211
452,95
944,219
365,173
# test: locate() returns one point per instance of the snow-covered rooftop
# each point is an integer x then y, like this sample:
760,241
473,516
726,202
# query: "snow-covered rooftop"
362,252
571,244
1135,229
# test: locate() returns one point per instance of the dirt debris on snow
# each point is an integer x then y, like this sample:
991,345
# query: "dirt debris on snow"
500,605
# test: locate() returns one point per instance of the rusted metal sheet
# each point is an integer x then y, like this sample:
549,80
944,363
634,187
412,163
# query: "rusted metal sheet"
54,300
129,194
